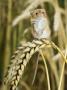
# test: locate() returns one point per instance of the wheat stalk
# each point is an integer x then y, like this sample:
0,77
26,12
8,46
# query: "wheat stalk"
46,69
20,59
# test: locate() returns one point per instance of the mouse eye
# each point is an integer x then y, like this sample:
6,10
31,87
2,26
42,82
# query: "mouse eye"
36,13
44,13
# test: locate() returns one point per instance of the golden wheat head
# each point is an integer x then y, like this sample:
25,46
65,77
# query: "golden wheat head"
20,59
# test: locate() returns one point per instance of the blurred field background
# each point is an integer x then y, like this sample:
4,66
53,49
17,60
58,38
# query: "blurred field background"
15,27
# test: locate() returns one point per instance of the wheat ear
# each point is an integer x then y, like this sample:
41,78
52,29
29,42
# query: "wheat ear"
20,59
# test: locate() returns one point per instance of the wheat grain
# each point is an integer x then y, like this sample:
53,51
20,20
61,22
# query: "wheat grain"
20,59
